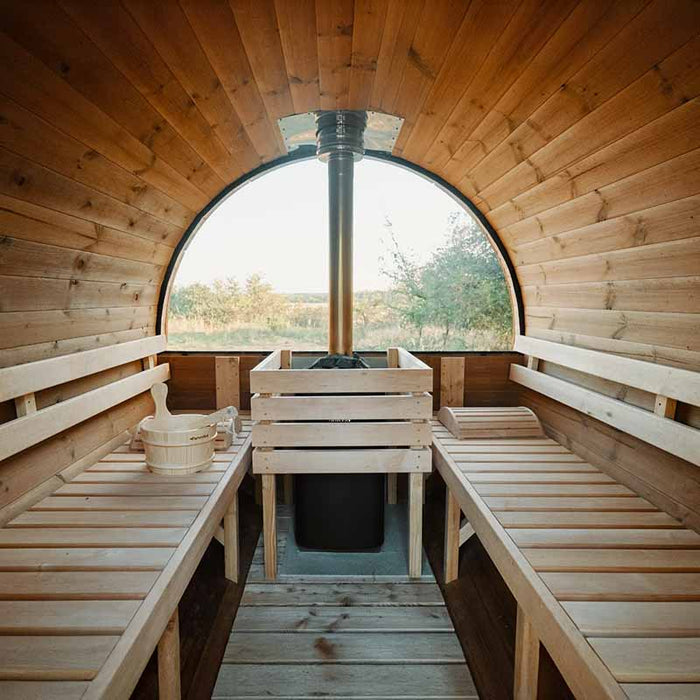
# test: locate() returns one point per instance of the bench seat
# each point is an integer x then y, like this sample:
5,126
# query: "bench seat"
91,575
604,579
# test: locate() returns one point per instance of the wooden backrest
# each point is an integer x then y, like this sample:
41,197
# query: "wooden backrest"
20,383
668,384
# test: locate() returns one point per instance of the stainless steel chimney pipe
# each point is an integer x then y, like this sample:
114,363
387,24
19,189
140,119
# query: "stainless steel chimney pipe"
339,139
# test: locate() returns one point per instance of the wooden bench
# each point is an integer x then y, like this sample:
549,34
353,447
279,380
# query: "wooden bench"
93,562
608,582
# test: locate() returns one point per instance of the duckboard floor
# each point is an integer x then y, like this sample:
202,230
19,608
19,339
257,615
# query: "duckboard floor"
341,636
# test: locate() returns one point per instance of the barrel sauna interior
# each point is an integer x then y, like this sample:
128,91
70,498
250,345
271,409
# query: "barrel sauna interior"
571,129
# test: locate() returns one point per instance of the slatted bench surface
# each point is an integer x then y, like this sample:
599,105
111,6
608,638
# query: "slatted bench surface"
77,567
626,573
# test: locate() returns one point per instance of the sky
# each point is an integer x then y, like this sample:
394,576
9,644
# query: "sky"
277,226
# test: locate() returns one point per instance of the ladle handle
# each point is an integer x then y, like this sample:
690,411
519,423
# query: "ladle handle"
159,392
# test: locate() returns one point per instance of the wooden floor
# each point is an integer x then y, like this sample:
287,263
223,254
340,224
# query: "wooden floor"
310,637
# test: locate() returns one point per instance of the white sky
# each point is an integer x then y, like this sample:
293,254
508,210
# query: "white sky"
277,226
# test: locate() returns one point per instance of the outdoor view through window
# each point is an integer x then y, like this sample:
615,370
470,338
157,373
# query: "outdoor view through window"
255,275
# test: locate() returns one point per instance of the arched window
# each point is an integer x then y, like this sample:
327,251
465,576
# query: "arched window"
254,275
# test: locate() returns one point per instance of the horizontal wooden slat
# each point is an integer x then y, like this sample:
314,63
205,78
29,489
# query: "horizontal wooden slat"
650,660
340,381
34,376
554,490
91,537
349,681
516,468
621,587
56,690
145,477
24,432
613,559
341,461
342,594
165,488
357,434
93,519
574,519
616,538
127,503
342,619
667,691
46,617
648,619
545,503
668,435
85,559
655,378
339,648
52,658
341,408
536,478
83,585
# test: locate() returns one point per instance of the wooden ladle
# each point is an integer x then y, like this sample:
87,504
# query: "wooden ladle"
164,420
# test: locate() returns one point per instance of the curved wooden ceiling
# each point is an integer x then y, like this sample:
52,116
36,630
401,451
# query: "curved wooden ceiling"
573,125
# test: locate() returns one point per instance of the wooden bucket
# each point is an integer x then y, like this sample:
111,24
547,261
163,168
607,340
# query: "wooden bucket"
180,449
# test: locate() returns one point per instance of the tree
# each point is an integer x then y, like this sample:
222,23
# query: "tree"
461,287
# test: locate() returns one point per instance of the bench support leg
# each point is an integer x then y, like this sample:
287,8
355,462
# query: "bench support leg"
453,513
392,489
169,660
231,540
269,497
527,659
415,525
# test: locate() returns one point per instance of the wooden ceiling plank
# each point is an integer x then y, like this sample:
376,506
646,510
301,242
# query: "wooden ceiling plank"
400,26
436,32
368,29
667,182
334,26
296,20
652,120
27,135
214,24
664,222
27,327
121,39
25,221
257,24
65,64
650,328
668,295
609,72
482,25
672,259
30,294
27,259
38,185
53,348
532,25
168,28
583,33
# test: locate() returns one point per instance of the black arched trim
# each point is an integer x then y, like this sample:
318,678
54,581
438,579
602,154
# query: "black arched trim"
307,152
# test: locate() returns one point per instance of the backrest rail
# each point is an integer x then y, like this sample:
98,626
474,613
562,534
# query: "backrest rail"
676,438
21,433
672,382
31,377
